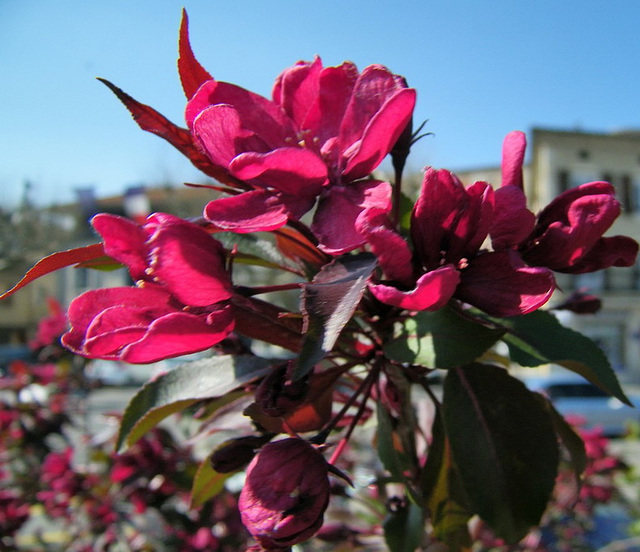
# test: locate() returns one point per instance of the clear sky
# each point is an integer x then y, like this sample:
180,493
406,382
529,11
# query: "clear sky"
481,69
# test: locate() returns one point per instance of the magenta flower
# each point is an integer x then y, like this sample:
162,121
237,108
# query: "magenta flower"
285,494
449,226
178,305
568,235
326,129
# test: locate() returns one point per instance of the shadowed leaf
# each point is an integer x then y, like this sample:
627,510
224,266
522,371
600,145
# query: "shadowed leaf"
327,304
441,339
185,385
503,445
539,338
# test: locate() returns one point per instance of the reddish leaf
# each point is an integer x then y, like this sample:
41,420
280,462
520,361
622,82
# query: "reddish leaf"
57,261
192,74
150,120
298,248
258,319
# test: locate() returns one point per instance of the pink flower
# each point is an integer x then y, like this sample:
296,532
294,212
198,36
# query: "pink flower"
449,226
50,327
178,306
285,494
326,129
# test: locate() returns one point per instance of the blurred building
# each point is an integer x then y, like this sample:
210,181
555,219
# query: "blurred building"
28,234
560,160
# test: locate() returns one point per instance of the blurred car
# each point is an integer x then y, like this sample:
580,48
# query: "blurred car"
574,397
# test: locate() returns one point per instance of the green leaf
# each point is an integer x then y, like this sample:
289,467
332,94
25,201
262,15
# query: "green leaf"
442,488
389,448
327,304
207,483
503,445
254,250
180,388
539,338
404,529
441,339
572,442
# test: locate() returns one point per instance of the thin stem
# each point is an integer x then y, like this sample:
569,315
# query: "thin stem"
246,291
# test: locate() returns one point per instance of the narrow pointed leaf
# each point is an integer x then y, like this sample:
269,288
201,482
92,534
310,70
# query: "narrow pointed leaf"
258,319
207,483
327,304
503,445
150,120
440,339
57,261
180,388
192,74
539,338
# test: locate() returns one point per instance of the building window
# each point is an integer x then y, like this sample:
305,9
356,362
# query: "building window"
563,181
626,195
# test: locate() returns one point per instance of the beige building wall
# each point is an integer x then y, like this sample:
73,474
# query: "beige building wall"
560,160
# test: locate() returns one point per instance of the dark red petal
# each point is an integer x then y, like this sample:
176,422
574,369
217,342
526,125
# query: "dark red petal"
614,251
394,256
219,131
255,211
565,241
502,285
179,333
334,222
257,114
379,136
513,149
435,215
190,264
512,221
432,291
294,171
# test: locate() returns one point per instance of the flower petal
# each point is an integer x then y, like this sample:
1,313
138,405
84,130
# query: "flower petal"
394,255
512,221
432,292
501,284
190,263
123,240
179,333
513,149
254,211
294,171
379,136
334,222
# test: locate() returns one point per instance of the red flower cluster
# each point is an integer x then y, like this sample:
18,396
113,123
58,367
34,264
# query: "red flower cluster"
450,227
178,305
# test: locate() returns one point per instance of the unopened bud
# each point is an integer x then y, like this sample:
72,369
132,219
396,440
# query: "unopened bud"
285,494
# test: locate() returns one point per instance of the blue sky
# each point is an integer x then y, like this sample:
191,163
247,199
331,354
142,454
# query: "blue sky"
481,69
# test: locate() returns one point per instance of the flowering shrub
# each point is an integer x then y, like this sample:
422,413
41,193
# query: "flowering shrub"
139,500
381,307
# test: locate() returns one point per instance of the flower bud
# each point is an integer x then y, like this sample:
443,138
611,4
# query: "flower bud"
285,493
